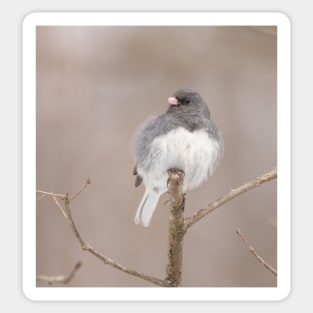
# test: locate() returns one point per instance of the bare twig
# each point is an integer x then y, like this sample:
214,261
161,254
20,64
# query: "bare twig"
108,261
66,211
50,193
189,221
87,247
63,279
81,189
251,249
59,206
63,195
176,228
178,225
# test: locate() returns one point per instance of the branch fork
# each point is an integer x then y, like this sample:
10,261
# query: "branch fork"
178,225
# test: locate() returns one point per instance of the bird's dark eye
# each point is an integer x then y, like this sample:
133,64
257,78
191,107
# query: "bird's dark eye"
186,101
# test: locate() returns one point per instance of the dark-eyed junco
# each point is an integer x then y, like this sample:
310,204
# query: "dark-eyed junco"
184,138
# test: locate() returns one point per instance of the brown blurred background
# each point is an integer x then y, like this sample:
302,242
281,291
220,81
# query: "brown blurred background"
95,86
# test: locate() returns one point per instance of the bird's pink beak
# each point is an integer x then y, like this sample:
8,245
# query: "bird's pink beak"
172,101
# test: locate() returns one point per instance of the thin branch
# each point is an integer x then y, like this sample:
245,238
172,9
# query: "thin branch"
251,249
88,182
59,206
178,226
66,212
63,195
108,261
189,221
87,247
50,193
63,279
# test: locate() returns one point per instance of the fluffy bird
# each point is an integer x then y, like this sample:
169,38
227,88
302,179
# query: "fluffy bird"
184,138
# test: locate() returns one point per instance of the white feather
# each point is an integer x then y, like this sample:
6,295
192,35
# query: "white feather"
146,208
193,152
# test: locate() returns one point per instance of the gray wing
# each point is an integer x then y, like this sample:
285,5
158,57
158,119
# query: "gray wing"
153,128
138,179
215,134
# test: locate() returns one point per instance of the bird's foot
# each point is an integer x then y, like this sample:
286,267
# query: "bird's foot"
176,170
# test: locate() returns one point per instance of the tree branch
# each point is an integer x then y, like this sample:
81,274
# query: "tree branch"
88,182
87,247
251,249
178,225
176,228
66,211
189,221
63,279
50,193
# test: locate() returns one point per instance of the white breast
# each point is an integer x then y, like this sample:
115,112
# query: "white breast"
193,152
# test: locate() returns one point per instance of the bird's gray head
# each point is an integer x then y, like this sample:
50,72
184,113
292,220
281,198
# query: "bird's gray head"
187,101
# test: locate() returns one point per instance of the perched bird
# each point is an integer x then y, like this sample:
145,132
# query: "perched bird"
183,138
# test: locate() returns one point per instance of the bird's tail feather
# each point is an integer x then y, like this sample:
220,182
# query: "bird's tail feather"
146,208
